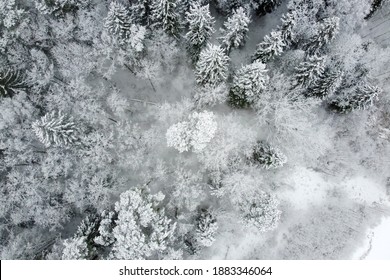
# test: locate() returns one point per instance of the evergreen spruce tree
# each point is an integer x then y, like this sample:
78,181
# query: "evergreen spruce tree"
260,210
360,99
206,228
267,157
375,5
273,45
82,245
60,7
327,31
140,11
212,67
142,227
326,85
263,7
235,29
200,28
287,28
308,72
248,83
55,129
11,82
164,14
118,22
228,6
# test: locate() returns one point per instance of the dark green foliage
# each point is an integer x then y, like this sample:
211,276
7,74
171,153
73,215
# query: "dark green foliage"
327,31
360,99
10,82
61,7
266,6
206,227
375,5
118,22
326,84
267,157
140,11
308,72
272,45
237,100
164,14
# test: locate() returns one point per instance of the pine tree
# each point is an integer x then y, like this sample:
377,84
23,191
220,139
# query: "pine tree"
273,45
118,22
164,14
212,67
228,6
60,7
248,83
260,210
235,29
267,157
55,129
375,5
200,28
206,228
325,85
360,99
327,31
265,6
106,237
142,228
140,11
308,72
82,245
11,82
287,27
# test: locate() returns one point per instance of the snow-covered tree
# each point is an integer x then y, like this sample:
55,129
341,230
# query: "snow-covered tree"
206,228
11,82
75,249
119,25
272,45
179,136
288,27
212,67
227,6
164,14
10,13
235,29
211,95
55,128
327,30
308,72
267,157
248,83
200,24
360,99
204,127
58,7
140,11
326,85
265,6
187,190
106,237
260,209
142,229
375,5
194,134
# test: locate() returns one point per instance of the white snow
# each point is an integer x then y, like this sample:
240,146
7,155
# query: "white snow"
308,188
